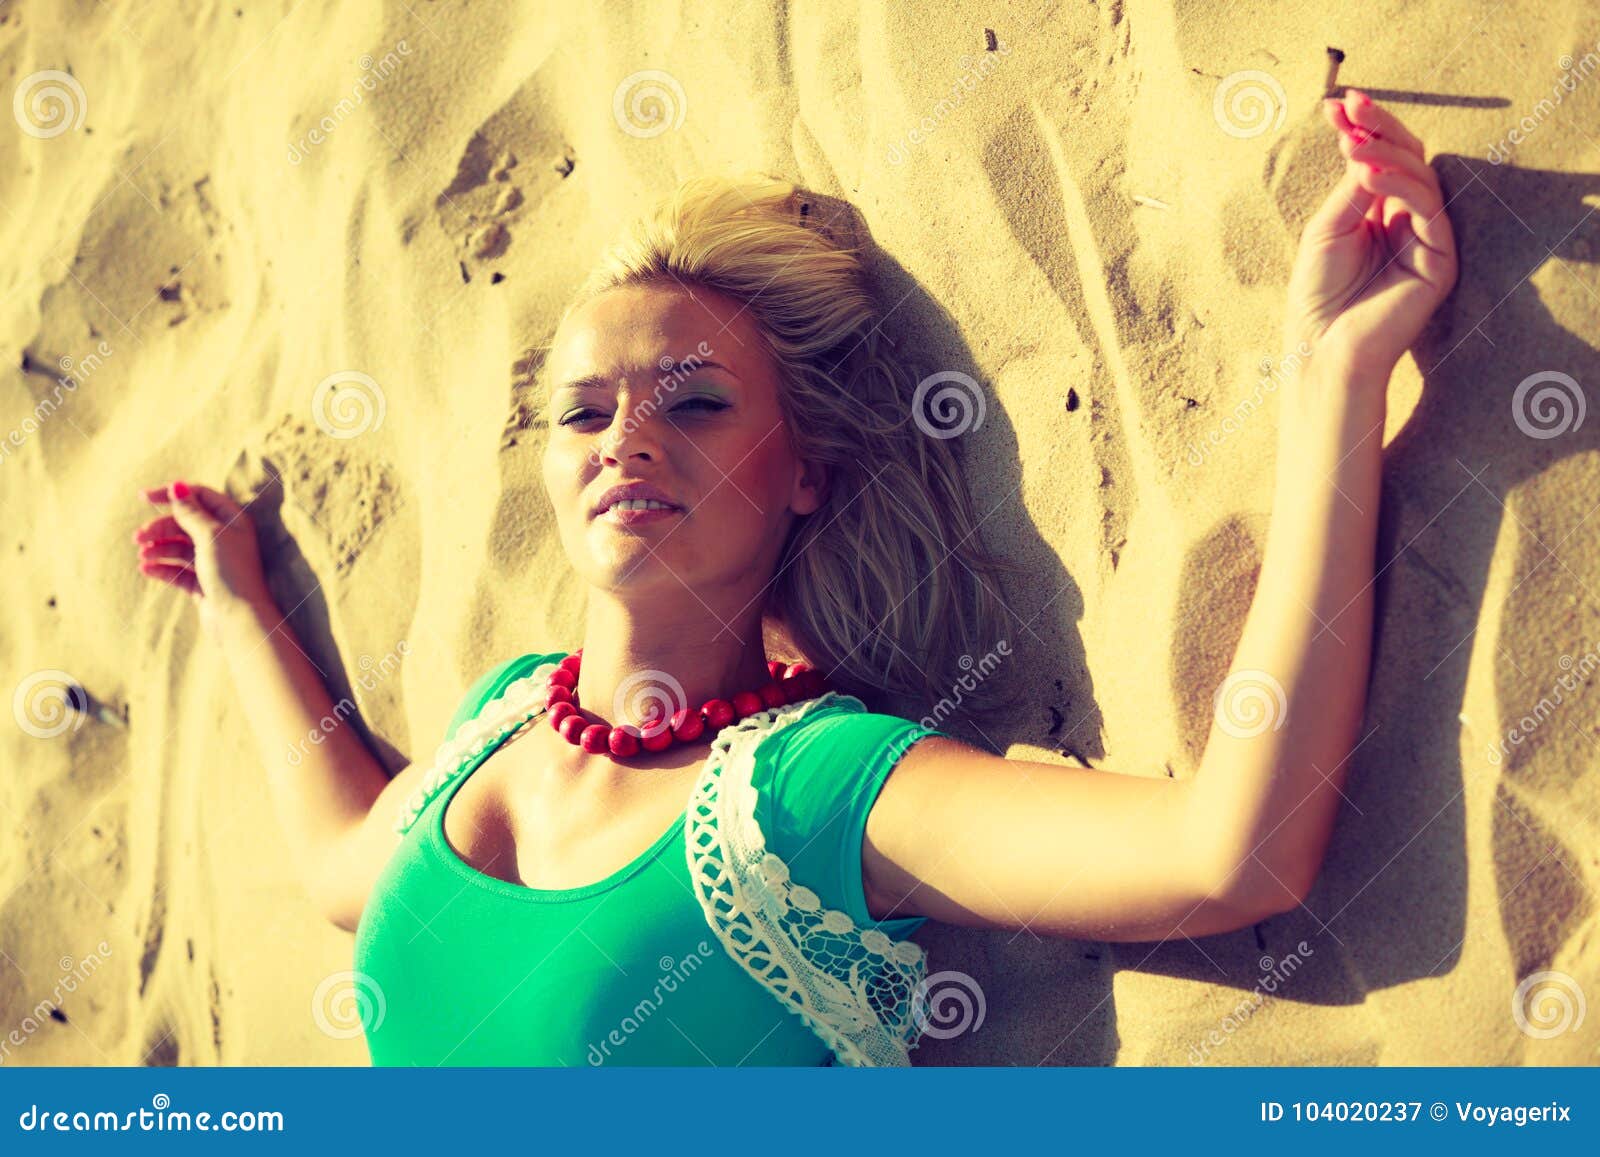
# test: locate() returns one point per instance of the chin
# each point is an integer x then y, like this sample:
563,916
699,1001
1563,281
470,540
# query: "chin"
635,566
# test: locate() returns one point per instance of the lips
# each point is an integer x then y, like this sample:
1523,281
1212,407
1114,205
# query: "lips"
633,492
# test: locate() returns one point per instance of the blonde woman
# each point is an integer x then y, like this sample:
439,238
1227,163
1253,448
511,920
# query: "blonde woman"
725,871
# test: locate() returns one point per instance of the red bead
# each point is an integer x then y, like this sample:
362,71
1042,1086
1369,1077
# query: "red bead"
687,725
806,685
789,683
572,726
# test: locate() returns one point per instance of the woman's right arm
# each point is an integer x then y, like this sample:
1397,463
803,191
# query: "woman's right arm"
334,802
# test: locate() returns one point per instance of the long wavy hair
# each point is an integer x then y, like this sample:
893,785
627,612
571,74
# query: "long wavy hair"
886,587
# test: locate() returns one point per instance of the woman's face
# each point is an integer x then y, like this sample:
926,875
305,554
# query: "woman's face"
647,383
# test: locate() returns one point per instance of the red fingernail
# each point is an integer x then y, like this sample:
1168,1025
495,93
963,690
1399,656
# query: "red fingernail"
1363,98
180,490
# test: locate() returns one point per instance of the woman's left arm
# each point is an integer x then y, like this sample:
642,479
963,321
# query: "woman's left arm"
970,838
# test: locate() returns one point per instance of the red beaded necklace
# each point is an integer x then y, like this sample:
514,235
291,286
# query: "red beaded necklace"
791,682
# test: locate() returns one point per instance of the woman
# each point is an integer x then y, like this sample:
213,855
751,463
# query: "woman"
730,453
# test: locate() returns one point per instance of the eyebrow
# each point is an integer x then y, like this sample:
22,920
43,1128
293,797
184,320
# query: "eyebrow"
688,365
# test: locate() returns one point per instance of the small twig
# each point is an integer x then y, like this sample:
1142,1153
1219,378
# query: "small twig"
1330,85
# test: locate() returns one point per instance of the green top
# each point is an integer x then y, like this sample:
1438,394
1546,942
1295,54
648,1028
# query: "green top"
460,968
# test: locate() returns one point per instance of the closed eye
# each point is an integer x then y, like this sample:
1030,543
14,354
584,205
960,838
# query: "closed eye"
588,414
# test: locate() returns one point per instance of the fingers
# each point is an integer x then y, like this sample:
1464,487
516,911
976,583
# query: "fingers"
162,527
206,501
1344,209
1388,161
220,503
193,517
1384,154
1374,118
181,577
1421,200
1420,237
178,550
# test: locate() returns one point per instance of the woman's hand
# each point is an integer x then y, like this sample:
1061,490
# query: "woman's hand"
207,547
1378,256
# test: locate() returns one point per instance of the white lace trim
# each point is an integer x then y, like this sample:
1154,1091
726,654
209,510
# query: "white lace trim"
520,701
854,988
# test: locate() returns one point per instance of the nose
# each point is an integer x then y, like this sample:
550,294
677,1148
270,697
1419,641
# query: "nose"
631,434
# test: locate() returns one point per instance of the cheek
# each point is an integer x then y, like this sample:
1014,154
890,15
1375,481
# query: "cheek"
762,479
563,468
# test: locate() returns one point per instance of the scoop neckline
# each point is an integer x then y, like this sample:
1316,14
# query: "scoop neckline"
453,859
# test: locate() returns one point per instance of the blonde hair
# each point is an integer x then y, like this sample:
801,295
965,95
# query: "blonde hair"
886,587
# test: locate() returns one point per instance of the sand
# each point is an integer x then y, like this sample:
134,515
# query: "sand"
237,213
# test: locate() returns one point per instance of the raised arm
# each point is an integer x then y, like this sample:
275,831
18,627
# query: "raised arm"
971,838
332,797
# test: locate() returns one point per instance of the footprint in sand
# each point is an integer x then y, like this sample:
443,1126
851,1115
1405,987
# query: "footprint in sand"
508,168
480,205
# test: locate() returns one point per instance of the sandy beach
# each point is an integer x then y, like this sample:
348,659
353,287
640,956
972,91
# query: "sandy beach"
299,251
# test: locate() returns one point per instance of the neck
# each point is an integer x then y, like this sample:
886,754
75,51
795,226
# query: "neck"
637,661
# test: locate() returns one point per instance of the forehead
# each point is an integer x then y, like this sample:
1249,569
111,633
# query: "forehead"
631,329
